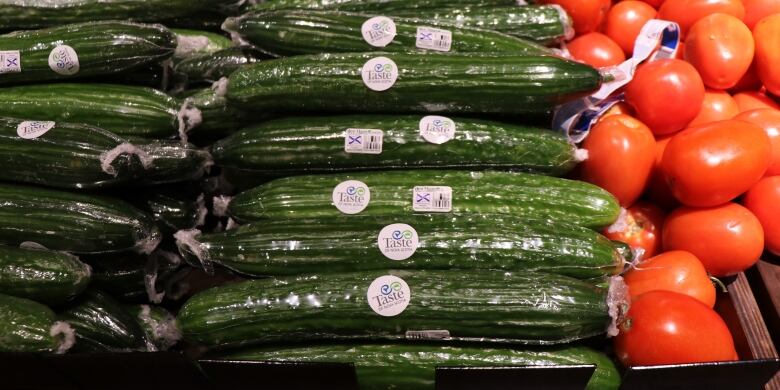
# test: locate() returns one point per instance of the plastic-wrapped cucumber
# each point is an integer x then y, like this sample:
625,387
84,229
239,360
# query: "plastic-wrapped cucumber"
286,33
193,43
79,223
41,275
412,82
176,210
211,67
496,306
352,243
159,325
28,326
131,277
326,144
83,50
121,109
374,5
219,118
413,366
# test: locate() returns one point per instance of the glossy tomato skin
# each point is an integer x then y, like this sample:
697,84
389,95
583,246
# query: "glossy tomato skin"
658,190
641,228
714,163
767,36
749,81
666,94
625,20
721,48
753,100
587,15
727,239
665,327
764,201
596,50
717,106
769,120
677,271
756,10
688,12
654,3
621,151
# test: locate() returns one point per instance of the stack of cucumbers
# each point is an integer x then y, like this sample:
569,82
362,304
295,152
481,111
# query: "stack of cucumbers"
377,179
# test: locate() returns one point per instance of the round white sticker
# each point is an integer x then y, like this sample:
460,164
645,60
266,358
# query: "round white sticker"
398,241
380,73
33,129
64,60
437,129
351,196
388,295
378,31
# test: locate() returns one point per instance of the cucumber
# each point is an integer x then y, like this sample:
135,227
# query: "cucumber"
130,277
159,325
79,223
212,67
373,5
193,43
28,326
90,49
317,144
522,307
287,33
391,194
452,83
219,118
171,162
41,275
102,324
350,243
120,109
413,366
175,210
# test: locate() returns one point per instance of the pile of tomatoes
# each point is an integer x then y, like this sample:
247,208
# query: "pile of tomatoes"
693,155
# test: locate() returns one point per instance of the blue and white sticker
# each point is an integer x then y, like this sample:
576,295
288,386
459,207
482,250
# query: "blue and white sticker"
378,31
351,196
437,39
398,241
33,129
64,60
432,199
363,141
388,295
379,73
10,61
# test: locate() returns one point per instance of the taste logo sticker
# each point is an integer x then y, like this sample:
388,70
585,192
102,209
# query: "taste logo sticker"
380,73
437,129
351,196
398,241
64,60
33,129
378,31
388,295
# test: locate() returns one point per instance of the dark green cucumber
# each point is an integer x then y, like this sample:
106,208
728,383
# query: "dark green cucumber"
373,5
194,43
349,243
212,67
176,210
454,83
67,221
41,275
120,109
391,194
286,33
520,307
130,277
413,366
102,324
171,162
100,48
28,326
317,144
219,118
159,325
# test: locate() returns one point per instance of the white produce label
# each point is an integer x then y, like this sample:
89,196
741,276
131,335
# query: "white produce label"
388,295
64,60
378,31
351,196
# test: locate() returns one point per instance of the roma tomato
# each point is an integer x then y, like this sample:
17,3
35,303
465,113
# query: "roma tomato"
677,271
752,100
769,120
641,228
717,106
727,239
712,164
756,10
721,48
666,94
767,36
621,151
587,15
688,12
596,50
658,190
624,21
764,201
665,327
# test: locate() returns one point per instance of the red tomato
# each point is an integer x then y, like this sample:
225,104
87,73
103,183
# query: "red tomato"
666,94
658,190
665,327
727,239
764,201
712,164
620,108
756,10
767,36
596,50
688,12
654,3
769,120
749,81
621,151
748,101
717,106
625,20
677,271
642,228
587,15
721,48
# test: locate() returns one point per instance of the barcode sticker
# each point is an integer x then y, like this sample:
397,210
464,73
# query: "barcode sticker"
436,199
434,39
365,141
10,62
427,334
